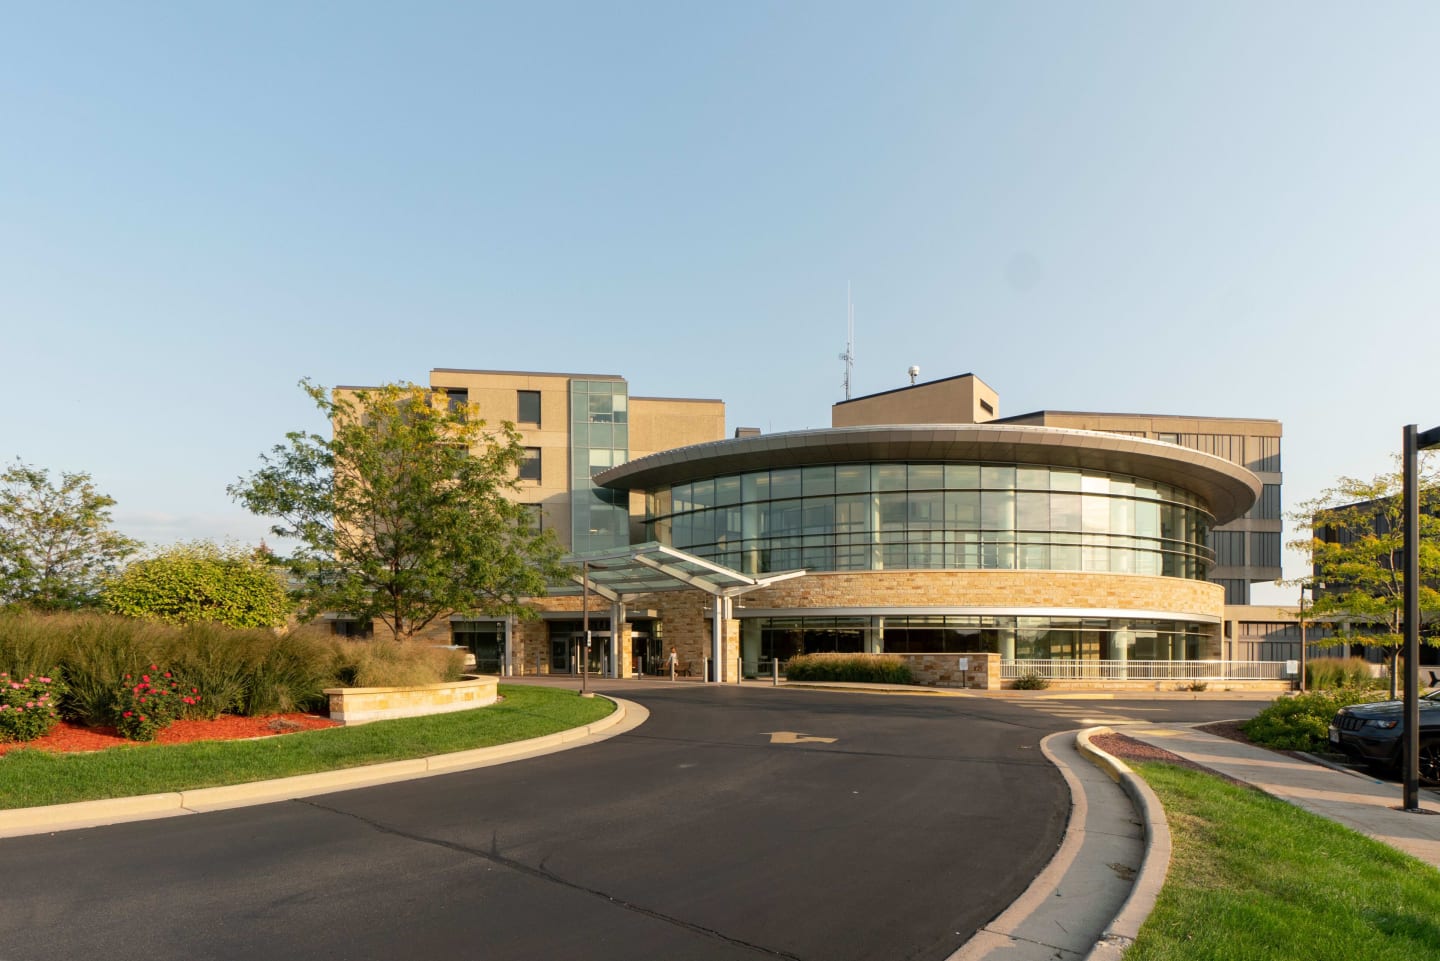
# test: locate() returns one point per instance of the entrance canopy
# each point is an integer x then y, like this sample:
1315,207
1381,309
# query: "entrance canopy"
652,567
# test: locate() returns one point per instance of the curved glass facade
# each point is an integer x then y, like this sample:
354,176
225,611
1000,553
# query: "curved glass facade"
898,516
1012,637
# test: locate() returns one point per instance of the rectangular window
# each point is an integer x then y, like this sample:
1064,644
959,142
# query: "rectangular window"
530,465
350,627
534,517
456,399
1267,508
527,407
1263,454
1229,548
1265,549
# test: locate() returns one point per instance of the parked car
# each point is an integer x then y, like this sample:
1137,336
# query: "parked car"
1373,733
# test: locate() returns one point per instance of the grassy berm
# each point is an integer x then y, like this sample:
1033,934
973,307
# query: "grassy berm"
1256,879
29,777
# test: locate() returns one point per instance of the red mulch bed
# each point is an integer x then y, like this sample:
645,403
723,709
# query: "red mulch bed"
66,736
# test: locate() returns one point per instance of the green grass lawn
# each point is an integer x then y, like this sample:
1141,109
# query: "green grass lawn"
30,777
1257,879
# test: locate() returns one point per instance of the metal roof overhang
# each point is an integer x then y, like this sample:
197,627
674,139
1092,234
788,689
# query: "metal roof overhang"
652,568
1228,489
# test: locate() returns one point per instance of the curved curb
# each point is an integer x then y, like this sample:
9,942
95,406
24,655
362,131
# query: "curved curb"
1122,931
82,814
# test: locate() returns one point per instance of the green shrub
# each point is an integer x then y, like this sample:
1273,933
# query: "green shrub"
146,704
1301,722
1329,673
1033,681
28,705
866,668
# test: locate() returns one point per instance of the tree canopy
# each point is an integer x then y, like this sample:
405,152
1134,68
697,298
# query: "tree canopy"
1352,535
405,512
202,581
56,543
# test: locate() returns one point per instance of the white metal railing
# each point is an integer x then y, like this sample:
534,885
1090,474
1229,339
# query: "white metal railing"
1086,670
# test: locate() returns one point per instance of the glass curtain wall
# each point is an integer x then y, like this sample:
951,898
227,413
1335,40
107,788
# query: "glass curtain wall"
599,440
935,516
1014,638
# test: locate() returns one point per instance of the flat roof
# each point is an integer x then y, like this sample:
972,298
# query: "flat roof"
1227,488
896,390
1102,413
524,373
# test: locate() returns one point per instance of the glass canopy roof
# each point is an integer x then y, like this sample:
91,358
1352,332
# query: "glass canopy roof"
652,567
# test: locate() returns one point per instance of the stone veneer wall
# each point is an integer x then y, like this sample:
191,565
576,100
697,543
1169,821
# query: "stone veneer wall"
685,615
1002,589
972,671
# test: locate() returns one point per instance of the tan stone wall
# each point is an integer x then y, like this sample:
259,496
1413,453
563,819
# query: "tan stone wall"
361,705
972,671
1003,589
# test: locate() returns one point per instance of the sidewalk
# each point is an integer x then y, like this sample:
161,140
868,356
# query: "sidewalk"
1355,800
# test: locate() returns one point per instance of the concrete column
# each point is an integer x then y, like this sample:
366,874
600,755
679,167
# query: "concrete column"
507,666
730,640
1123,639
717,639
620,642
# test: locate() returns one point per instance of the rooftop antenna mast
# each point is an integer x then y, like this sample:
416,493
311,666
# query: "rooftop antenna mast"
849,355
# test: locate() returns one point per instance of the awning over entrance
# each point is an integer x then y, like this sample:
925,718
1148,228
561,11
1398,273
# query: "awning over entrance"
652,567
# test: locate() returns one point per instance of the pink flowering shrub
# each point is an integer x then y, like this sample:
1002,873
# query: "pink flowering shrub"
149,701
27,706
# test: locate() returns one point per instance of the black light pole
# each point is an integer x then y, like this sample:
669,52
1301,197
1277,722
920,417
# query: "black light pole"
1414,442
1303,588
585,626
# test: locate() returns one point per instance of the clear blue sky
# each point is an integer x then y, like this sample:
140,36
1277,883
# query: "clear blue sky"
1220,208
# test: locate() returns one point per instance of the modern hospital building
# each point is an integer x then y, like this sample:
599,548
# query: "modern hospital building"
921,523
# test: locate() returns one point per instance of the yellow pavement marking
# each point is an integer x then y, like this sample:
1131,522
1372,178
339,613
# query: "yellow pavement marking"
793,737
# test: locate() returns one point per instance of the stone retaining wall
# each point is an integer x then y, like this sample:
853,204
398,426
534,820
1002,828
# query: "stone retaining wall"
360,705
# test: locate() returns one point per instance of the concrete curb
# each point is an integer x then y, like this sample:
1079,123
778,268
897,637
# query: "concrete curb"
82,814
1122,931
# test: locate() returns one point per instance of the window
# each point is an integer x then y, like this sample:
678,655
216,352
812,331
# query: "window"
1229,548
527,407
1267,508
1265,549
457,399
1264,454
534,517
350,627
985,406
530,465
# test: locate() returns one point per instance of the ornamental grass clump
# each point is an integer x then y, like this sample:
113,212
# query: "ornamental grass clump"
863,668
1330,673
29,705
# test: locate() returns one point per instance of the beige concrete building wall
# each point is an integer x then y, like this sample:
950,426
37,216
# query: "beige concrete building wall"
496,395
964,399
665,423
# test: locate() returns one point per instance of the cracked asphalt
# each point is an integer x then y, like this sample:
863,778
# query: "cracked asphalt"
691,837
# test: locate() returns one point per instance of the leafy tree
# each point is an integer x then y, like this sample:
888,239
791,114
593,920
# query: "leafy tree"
202,581
1353,535
56,543
402,514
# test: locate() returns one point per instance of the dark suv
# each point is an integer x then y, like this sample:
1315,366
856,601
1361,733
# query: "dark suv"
1373,732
